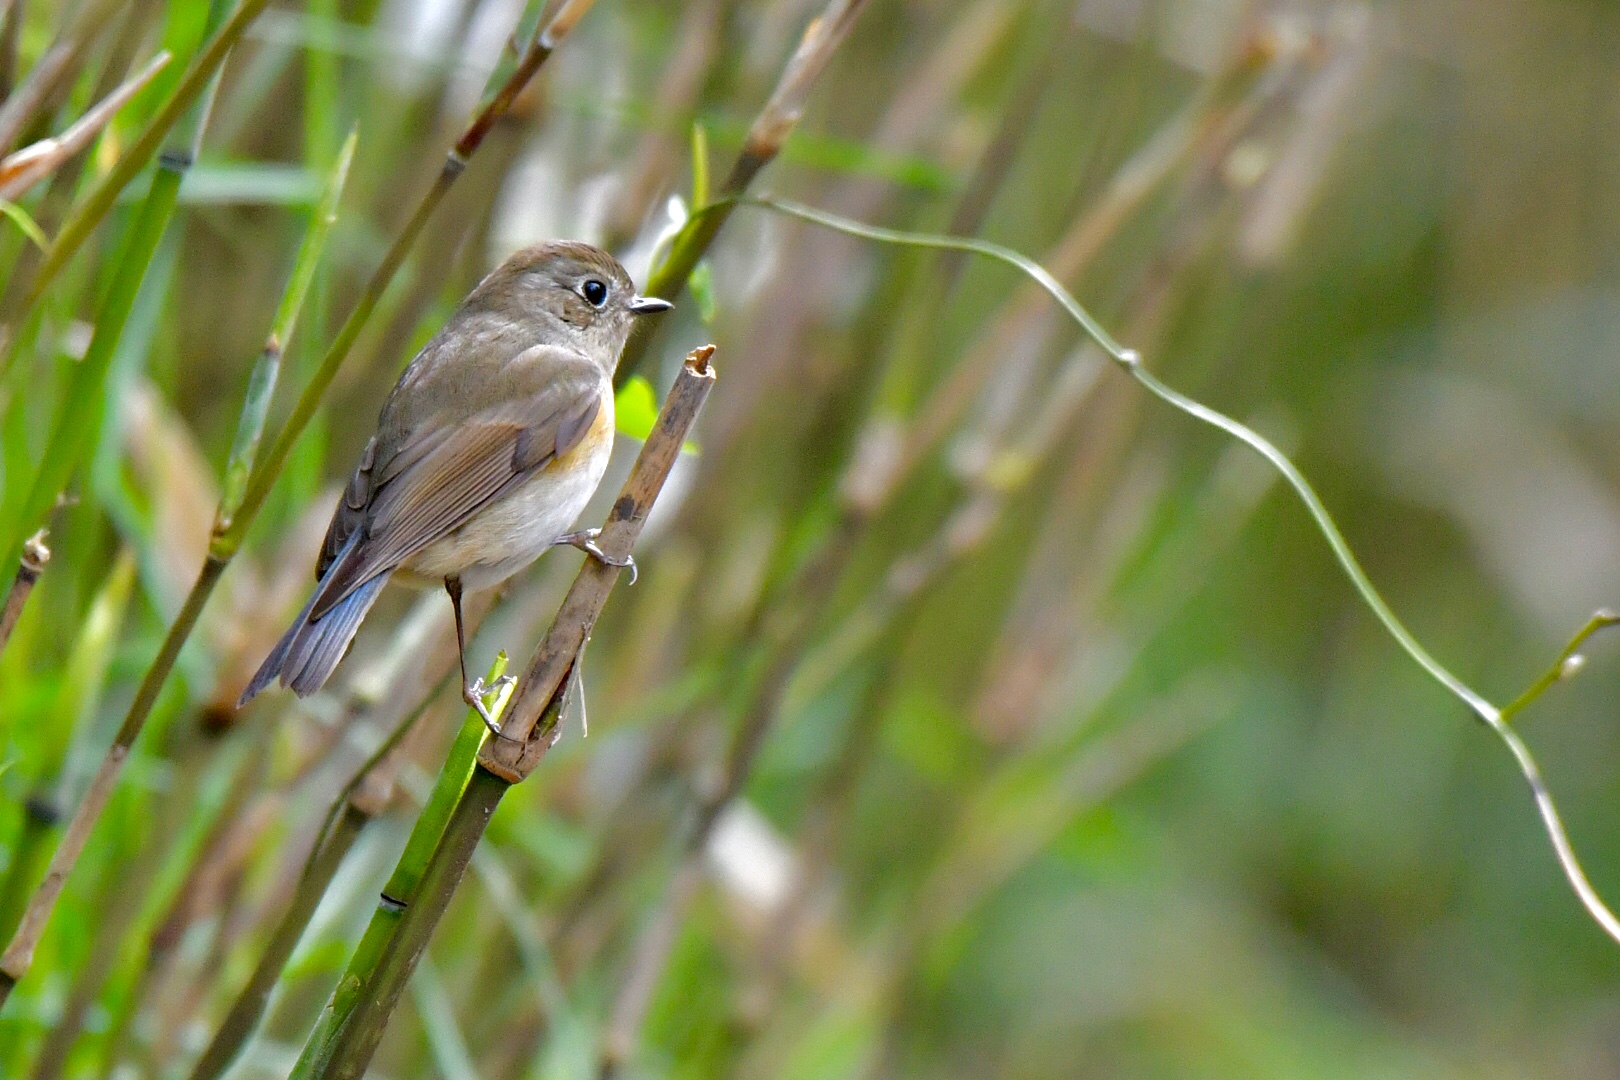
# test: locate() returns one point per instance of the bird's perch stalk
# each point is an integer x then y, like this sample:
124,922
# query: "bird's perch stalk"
528,729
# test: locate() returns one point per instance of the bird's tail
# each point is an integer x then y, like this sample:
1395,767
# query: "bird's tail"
310,649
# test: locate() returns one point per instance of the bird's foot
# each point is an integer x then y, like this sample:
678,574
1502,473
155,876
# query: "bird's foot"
473,694
586,539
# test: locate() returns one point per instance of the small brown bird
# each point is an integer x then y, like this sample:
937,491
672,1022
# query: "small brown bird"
488,448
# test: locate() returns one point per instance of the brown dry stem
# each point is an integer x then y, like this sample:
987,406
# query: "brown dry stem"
34,557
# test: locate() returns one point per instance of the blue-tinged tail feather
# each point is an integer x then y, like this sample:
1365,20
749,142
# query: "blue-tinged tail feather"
310,649
319,646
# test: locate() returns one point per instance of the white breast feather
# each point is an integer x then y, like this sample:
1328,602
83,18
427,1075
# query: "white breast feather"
511,533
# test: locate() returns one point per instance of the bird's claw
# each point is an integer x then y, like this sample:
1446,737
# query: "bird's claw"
473,694
585,540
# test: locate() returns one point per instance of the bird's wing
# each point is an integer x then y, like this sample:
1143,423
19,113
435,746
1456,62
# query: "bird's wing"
350,514
369,477
434,483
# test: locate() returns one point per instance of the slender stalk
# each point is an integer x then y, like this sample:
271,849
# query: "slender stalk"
368,790
811,587
60,458
267,369
812,591
52,71
196,86
133,902
886,616
10,30
32,564
29,852
244,1016
1568,663
1131,363
697,39
355,1043
127,35
30,165
402,883
77,422
766,135
528,730
84,677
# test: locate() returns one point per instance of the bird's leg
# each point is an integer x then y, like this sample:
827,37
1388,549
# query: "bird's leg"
473,691
585,540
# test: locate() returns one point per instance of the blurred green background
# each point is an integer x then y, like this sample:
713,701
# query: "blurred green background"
1078,756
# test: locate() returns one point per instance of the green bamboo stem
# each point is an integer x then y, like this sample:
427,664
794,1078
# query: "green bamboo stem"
528,730
29,852
196,86
78,420
189,820
353,1044
402,884
84,678
267,369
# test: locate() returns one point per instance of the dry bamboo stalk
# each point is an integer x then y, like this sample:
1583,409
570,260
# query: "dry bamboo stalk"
34,557
53,70
28,166
1201,134
962,533
813,586
523,739
805,290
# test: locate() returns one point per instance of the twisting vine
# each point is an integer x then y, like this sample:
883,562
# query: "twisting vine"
1497,719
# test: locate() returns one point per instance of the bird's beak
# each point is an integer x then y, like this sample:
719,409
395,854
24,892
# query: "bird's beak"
649,305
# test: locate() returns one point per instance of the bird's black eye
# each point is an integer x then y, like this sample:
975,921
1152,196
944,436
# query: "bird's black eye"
594,292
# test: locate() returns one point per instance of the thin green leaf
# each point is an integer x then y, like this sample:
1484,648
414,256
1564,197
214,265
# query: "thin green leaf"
195,86
30,228
262,383
635,408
